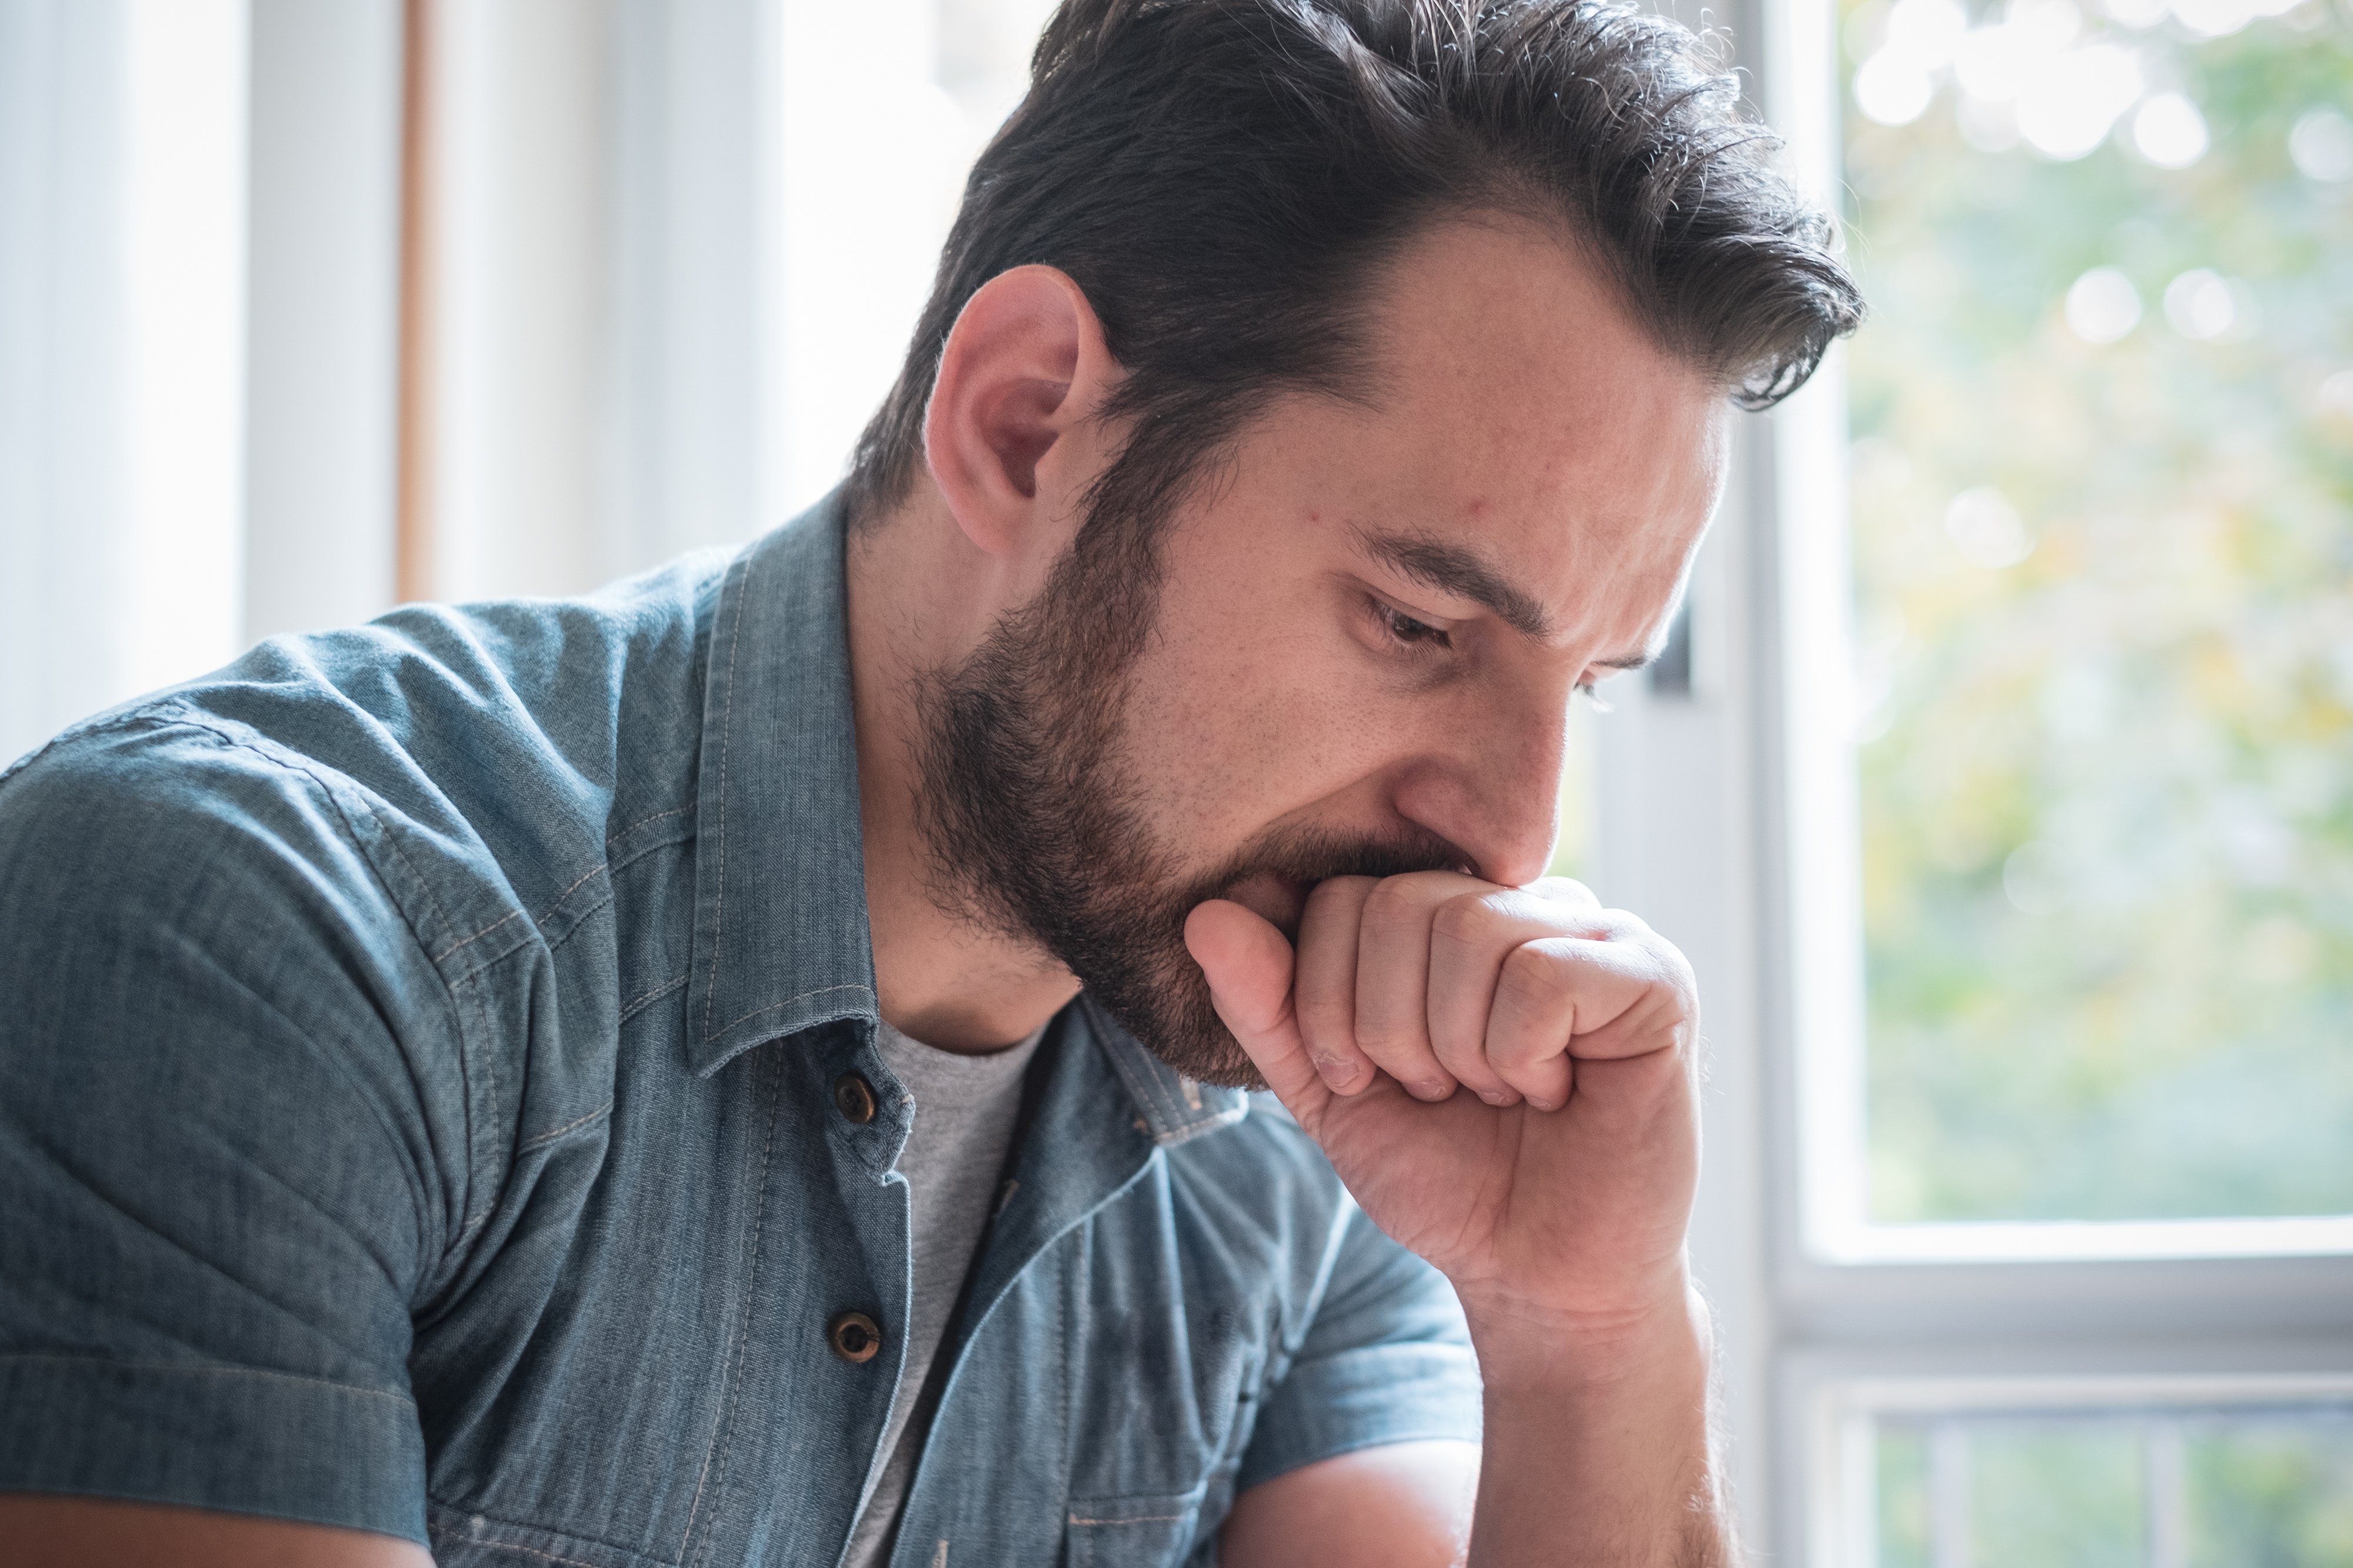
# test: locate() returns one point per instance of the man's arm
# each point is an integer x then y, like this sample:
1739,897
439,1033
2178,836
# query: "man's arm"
1401,1505
89,1532
220,1138
1545,1162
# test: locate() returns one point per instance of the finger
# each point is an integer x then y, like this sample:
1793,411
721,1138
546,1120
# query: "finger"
1470,936
1247,967
1561,997
1324,991
1564,890
1393,978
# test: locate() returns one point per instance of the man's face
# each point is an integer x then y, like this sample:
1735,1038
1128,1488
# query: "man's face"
1368,628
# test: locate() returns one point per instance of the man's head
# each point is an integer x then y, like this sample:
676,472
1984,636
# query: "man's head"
1331,387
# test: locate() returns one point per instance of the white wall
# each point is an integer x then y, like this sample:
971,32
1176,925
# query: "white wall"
322,333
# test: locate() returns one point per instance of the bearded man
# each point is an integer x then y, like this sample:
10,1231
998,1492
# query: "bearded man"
754,1065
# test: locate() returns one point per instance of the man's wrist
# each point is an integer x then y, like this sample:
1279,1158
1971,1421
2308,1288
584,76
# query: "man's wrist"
1665,1334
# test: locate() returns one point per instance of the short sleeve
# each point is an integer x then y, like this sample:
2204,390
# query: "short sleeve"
1387,1359
226,1140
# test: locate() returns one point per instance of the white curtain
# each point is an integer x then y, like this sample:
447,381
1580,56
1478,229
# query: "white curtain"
121,326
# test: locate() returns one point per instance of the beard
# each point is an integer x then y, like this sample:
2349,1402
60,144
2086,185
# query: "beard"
1032,817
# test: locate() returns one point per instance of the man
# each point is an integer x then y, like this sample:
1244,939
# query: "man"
748,1067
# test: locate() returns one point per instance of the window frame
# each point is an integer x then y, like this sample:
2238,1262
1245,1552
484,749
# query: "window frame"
1726,817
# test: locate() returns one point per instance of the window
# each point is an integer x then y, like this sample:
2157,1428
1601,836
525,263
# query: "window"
2004,813
2101,475
873,167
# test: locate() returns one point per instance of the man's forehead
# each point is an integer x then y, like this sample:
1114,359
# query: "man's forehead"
1515,386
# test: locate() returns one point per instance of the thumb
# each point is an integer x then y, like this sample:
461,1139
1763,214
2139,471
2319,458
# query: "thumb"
1249,965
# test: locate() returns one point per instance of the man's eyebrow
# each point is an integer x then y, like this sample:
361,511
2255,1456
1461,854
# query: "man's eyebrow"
1452,569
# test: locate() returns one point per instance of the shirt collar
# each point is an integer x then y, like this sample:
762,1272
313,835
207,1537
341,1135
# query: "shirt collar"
781,940
1174,1108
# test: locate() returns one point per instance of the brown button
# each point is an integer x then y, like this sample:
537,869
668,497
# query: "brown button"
856,1337
854,1098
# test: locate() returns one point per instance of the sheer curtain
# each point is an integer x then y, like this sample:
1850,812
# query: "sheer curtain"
201,330
122,173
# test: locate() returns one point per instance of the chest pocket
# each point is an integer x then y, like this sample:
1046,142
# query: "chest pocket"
1133,1531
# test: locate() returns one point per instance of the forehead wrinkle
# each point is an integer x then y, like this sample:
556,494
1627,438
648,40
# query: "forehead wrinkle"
1459,570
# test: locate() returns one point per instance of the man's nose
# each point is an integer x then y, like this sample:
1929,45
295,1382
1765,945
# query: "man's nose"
1495,794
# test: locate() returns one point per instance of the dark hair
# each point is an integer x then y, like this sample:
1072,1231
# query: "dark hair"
1221,176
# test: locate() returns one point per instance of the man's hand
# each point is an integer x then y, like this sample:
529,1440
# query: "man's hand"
1504,1080
1558,1187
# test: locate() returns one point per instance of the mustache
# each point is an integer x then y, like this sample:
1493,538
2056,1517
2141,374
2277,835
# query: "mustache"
1304,857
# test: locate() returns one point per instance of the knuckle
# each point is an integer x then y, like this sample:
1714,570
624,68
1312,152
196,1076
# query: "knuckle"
1323,1012
1391,902
1564,890
1384,1036
1452,1048
1465,919
1516,1049
1535,974
1335,893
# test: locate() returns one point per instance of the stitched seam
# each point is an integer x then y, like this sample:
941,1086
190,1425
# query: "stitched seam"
578,925
532,1551
619,863
253,1372
390,838
467,942
719,827
571,1126
1192,1129
1139,1518
489,1085
820,991
457,1520
569,892
503,919
728,1399
631,1008
622,833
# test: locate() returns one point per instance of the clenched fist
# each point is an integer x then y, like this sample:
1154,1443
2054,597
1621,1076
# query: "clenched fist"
1502,1076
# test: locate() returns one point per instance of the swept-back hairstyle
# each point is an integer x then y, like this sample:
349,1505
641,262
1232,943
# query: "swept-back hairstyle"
1222,177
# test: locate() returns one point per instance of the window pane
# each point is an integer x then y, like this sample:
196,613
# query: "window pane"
1904,1505
2263,1493
2168,1490
2103,520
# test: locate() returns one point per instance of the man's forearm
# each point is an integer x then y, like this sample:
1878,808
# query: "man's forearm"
1598,1447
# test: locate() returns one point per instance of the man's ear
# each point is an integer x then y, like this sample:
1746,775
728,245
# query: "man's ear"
1007,433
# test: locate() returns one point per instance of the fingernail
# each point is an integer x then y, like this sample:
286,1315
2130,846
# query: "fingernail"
1338,1072
1543,1104
1497,1097
1429,1088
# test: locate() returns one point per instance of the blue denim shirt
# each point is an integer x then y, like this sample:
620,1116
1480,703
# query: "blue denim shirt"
416,1052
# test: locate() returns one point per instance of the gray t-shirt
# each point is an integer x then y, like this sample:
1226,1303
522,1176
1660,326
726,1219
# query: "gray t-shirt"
963,1128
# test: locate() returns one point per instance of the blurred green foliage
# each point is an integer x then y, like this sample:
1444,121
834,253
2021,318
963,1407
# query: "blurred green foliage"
1901,1459
2245,1491
2270,1496
2104,628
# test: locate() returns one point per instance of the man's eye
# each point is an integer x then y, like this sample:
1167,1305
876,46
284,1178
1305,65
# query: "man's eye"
1406,629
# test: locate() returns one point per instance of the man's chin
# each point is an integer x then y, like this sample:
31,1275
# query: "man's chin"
1176,1021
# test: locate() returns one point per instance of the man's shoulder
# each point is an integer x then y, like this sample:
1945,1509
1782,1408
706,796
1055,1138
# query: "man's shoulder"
509,716
455,764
